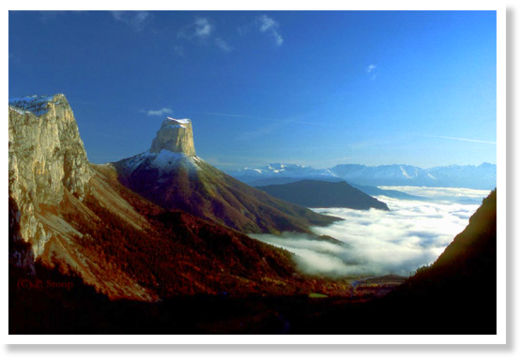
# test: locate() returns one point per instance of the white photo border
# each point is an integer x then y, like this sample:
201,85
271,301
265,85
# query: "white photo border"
499,338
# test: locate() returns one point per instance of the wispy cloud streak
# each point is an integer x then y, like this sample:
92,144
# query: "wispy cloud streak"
201,28
135,19
232,115
201,31
371,70
268,25
223,45
466,140
159,112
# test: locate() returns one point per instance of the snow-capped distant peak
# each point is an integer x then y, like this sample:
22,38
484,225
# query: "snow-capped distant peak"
405,174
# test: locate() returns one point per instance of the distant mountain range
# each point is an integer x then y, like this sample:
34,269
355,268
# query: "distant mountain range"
482,176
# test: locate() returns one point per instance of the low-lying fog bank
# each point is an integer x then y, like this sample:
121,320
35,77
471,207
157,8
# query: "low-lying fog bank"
375,242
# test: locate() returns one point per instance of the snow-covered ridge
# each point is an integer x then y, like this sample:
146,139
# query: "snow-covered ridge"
279,169
164,160
171,122
36,104
482,176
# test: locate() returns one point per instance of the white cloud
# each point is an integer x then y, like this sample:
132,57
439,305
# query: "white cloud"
223,45
267,23
270,26
202,27
375,242
160,112
135,19
371,70
201,31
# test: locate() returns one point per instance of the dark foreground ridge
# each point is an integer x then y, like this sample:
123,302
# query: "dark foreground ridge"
456,295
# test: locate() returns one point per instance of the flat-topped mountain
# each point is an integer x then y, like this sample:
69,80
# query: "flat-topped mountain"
172,176
175,135
323,194
73,218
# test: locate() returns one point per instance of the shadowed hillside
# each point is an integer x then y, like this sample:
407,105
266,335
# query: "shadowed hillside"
452,297
455,295
177,179
320,194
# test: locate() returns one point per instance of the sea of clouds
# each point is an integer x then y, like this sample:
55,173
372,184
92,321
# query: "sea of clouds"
375,242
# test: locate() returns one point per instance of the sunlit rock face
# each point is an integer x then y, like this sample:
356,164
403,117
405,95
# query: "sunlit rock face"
175,135
46,158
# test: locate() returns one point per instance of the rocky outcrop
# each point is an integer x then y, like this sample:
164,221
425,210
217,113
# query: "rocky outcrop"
171,176
56,200
46,159
175,135
72,219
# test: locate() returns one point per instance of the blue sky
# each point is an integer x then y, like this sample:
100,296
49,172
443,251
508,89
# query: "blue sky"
315,88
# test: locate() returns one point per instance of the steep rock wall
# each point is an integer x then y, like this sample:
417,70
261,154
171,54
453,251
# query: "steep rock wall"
175,135
46,158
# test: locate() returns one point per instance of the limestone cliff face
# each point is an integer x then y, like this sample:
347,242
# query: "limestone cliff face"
69,217
46,158
59,202
175,135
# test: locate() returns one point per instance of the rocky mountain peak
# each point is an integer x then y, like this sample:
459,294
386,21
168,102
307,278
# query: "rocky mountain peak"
175,135
46,159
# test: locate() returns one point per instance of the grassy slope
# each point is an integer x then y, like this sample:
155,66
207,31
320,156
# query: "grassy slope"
131,249
455,295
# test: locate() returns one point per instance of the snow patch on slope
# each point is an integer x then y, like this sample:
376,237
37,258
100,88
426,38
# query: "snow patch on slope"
179,121
165,161
36,104
405,174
